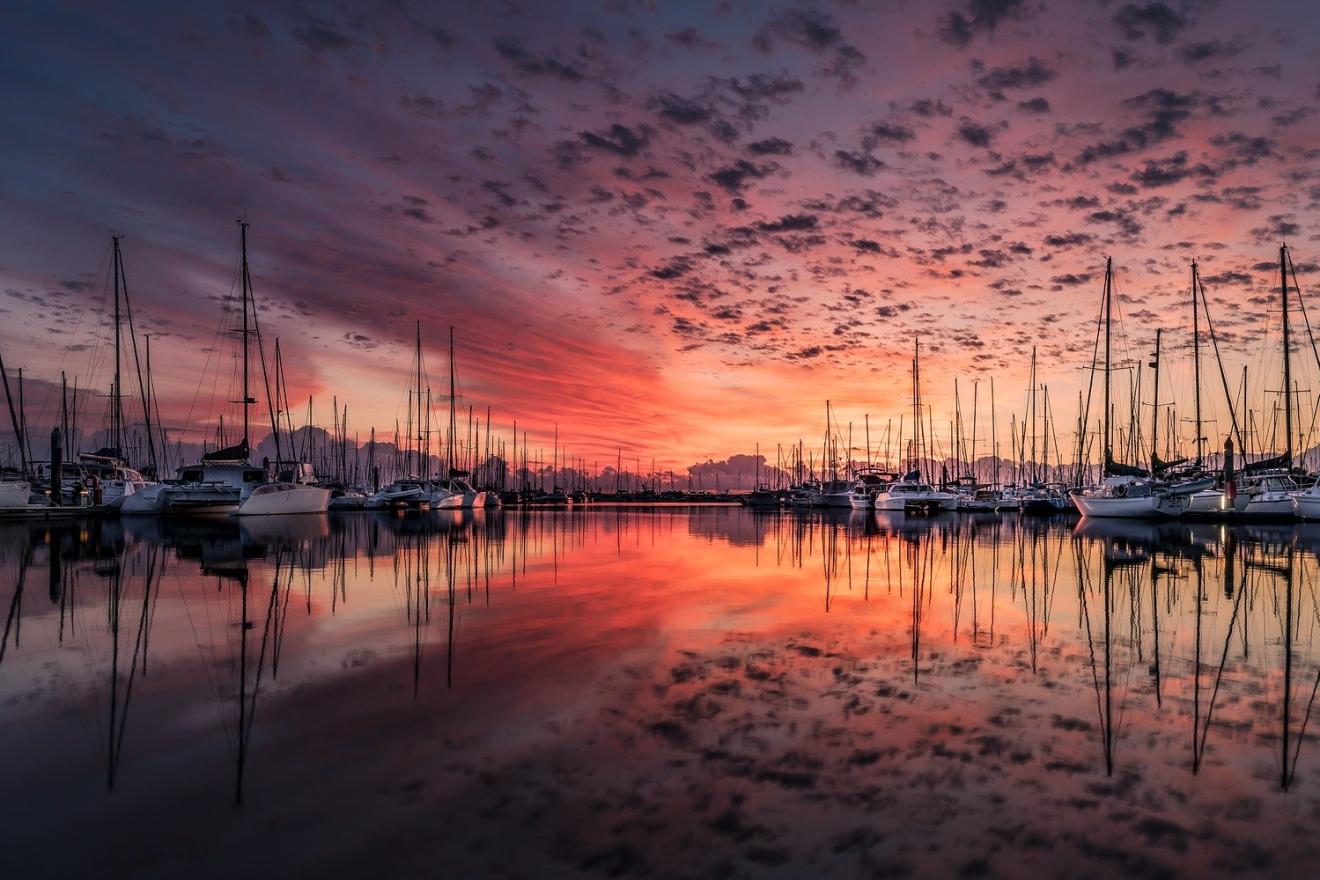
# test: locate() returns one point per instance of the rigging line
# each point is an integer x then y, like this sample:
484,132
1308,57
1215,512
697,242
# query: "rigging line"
212,352
73,333
1219,362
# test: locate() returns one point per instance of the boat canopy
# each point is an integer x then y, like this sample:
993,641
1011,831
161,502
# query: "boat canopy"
1159,465
1118,469
1267,464
237,452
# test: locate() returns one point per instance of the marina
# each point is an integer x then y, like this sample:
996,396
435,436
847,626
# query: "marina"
594,439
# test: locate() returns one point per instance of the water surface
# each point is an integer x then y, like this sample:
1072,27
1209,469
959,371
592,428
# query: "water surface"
670,692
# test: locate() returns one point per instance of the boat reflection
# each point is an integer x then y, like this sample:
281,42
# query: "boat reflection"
1201,629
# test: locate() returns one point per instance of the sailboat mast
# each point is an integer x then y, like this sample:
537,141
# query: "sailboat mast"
1155,407
1109,305
916,403
417,360
116,402
1035,465
1287,361
1196,359
247,391
453,418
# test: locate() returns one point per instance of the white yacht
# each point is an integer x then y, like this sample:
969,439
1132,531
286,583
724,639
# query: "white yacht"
399,493
114,478
911,493
293,493
214,487
456,493
869,484
987,501
835,493
1130,498
1267,494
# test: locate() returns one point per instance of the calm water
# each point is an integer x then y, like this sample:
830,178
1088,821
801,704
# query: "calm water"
686,692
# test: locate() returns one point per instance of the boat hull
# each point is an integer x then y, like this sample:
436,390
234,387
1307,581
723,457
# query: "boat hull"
283,499
1208,501
1306,506
201,500
1143,507
144,502
936,502
15,494
1271,505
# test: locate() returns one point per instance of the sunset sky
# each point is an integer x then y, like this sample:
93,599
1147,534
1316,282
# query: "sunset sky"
674,227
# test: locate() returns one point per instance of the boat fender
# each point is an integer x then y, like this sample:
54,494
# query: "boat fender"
1120,490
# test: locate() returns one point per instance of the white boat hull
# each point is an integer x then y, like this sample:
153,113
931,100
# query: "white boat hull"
279,499
1271,504
202,499
1208,501
835,499
145,501
861,502
14,494
1306,506
1142,507
939,501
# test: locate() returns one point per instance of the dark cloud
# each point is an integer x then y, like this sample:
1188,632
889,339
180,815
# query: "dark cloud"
536,64
675,268
1158,21
1170,170
1127,226
815,30
1245,149
857,162
691,38
1229,277
618,139
929,108
735,176
790,223
1122,57
764,86
250,25
682,111
1030,74
890,133
958,27
321,34
770,147
1162,111
1071,279
1193,53
975,134
1069,239
1034,105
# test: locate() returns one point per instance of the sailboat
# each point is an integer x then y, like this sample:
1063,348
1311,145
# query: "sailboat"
225,478
454,492
911,492
412,490
1204,498
106,468
1266,487
1125,491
